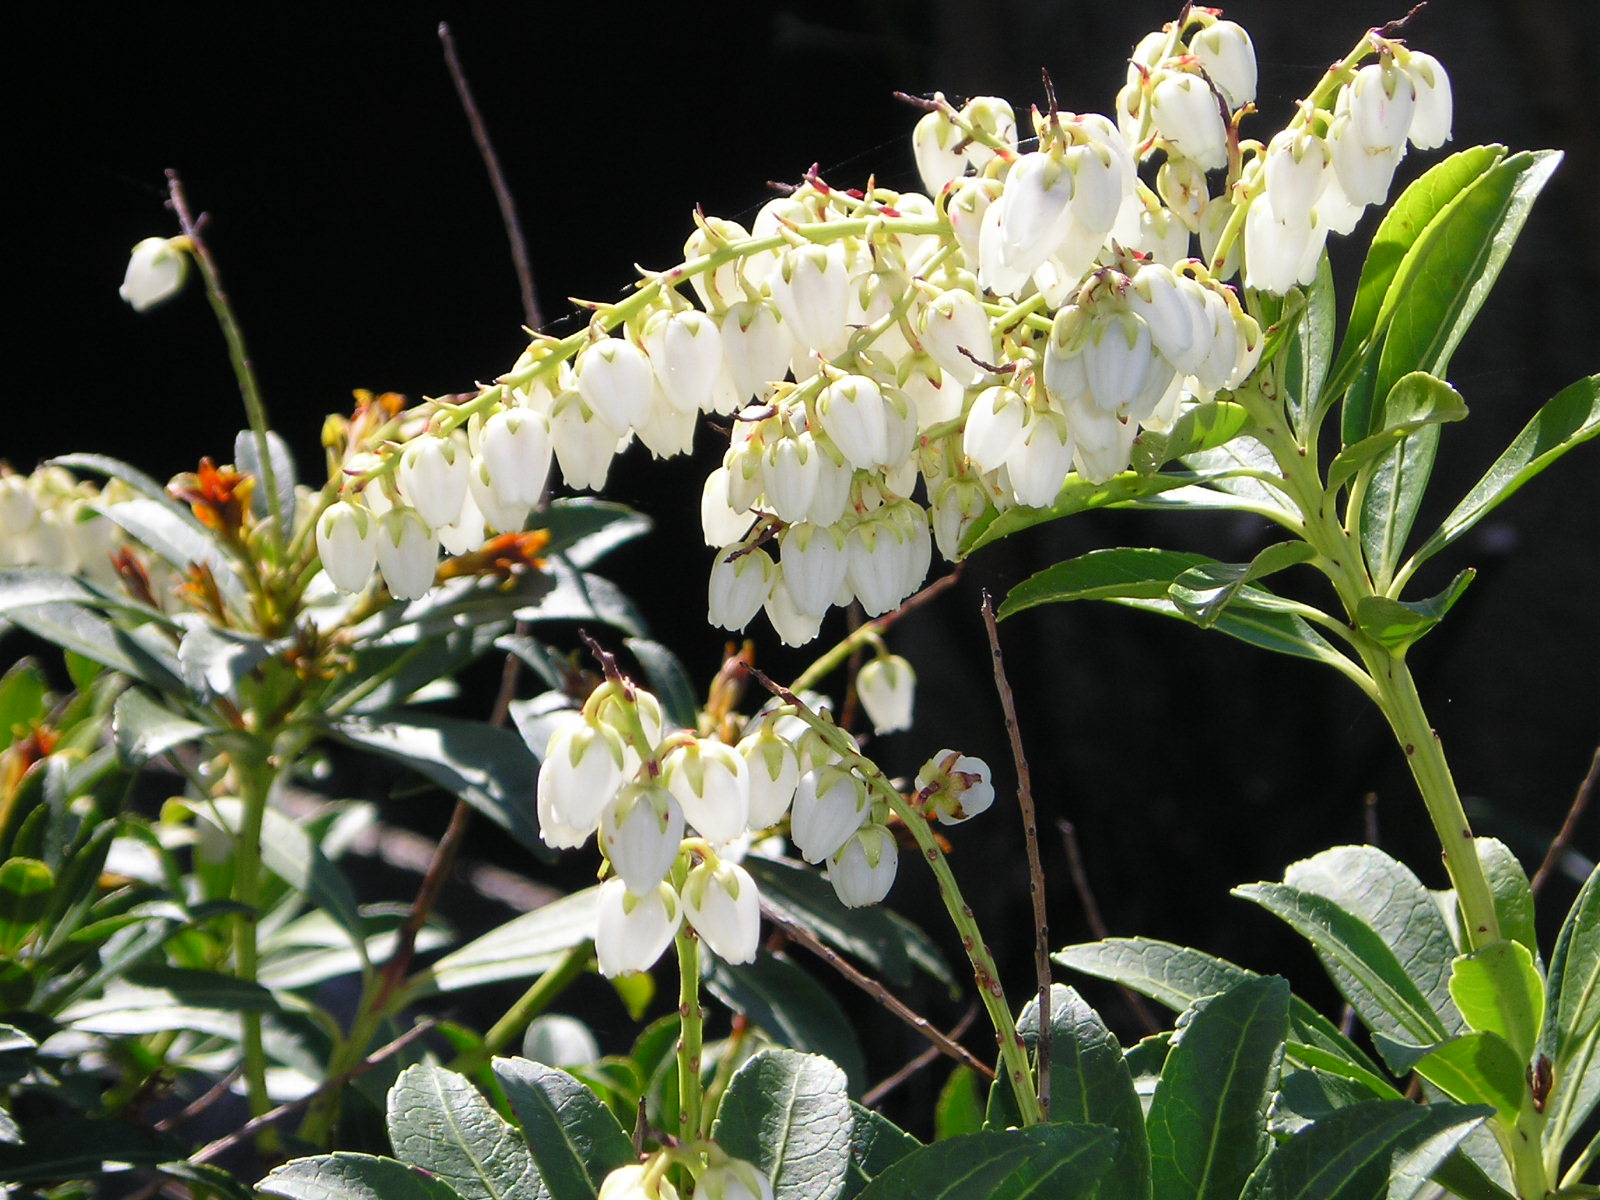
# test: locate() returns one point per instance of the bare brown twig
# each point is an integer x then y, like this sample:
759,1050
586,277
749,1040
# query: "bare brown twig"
1569,827
1030,837
876,1093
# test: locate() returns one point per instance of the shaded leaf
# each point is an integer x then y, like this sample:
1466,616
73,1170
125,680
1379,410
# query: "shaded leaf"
788,1113
78,630
144,485
1573,987
177,541
585,529
1281,631
1044,1161
876,1144
1202,592
579,596
248,460
346,1176
1121,573
523,947
960,1106
1478,1068
668,680
57,1148
790,1005
1396,624
22,699
575,1140
25,890
213,661
1513,897
1076,495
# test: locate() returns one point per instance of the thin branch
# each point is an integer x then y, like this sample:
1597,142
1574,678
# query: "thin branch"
876,1093
1030,837
204,1101
531,315
1569,827
210,1151
429,890
1097,924
942,1043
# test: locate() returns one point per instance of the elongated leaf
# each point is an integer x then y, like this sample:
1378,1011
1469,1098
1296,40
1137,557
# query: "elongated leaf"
1202,427
144,728
1478,1068
1568,419
246,459
1573,987
490,768
523,947
1201,593
575,1140
1416,401
214,660
1076,495
1392,499
1177,977
1207,1122
1411,213
25,889
1366,882
346,1176
1123,573
1397,624
438,1121
60,1148
114,468
1306,357
876,1144
1241,468
76,629
1513,897
788,1113
1498,991
157,999
22,699
668,679
580,596
176,541
1374,1150
1090,1084
585,529
1362,965
1044,1161
791,1006
1279,631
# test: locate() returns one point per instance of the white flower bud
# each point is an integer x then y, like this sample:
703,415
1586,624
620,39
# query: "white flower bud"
1188,119
958,504
156,271
1037,466
968,203
18,509
830,803
615,380
347,544
955,331
1225,51
466,533
1280,251
408,553
1181,184
632,931
719,288
741,581
1026,224
933,143
712,786
685,348
1102,442
994,426
756,347
886,687
1380,101
790,467
583,441
506,518
640,835
793,627
720,522
1297,168
954,787
579,777
862,870
516,448
433,477
1430,120
723,905
773,769
733,1179
813,561
812,290
629,1183
834,477
852,413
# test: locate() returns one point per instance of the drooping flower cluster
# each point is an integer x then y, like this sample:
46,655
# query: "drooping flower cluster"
50,519
898,364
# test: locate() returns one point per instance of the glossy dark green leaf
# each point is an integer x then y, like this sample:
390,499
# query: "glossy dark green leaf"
1416,401
1207,1122
177,542
137,480
1362,964
1306,1095
25,890
1201,593
438,1121
1202,427
1397,624
58,1148
1478,1068
668,679
1374,1150
1090,1084
1122,573
1499,991
144,728
574,1138
876,1144
1245,468
1307,356
1044,1161
779,997
156,999
585,529
75,628
247,459
1573,987
23,692
346,1176
579,596
454,604
523,947
488,767
1513,897
1077,495
1568,419
213,661
1280,631
789,1114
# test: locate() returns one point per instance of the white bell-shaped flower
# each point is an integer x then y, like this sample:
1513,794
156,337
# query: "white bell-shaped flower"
834,477
433,477
516,448
756,348
935,142
1431,119
862,870
1026,224
956,335
954,787
712,785
718,288
1181,184
685,348
668,432
852,412
886,687
793,627
579,777
1187,117
1380,101
1297,168
640,834
994,427
879,552
934,397
811,288
466,532
632,931
615,379
968,202
156,271
773,769
723,905
631,1182
733,1179
1174,316
1102,442
1280,251
956,506
481,491
720,522
1126,374
408,553
583,441
1226,52
347,544
741,581
790,468
1037,466
813,562
992,116
830,804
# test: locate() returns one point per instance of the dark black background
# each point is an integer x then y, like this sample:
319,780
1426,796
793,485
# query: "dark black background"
362,247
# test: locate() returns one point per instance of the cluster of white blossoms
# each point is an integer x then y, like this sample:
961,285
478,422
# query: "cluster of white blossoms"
722,1178
673,813
50,519
894,364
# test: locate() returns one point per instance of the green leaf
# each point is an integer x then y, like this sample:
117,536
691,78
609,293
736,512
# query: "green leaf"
575,1140
438,1121
1177,977
1573,987
584,529
1513,897
1568,419
158,999
80,631
959,1108
1201,593
1498,990
346,1176
213,661
58,1148
1396,624
1411,213
25,890
1478,1068
1122,573
144,728
178,542
1200,427
1044,1161
1207,1122
137,480
788,1113
876,1144
1306,357
1415,402
23,693
1363,966
490,768
248,461
1280,631
1076,495
579,596
668,680
1307,1095
793,1008
1374,1150
1388,897
523,947
1090,1083
1241,468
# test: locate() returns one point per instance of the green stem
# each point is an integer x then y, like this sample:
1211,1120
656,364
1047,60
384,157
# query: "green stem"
529,1005
690,1034
254,774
